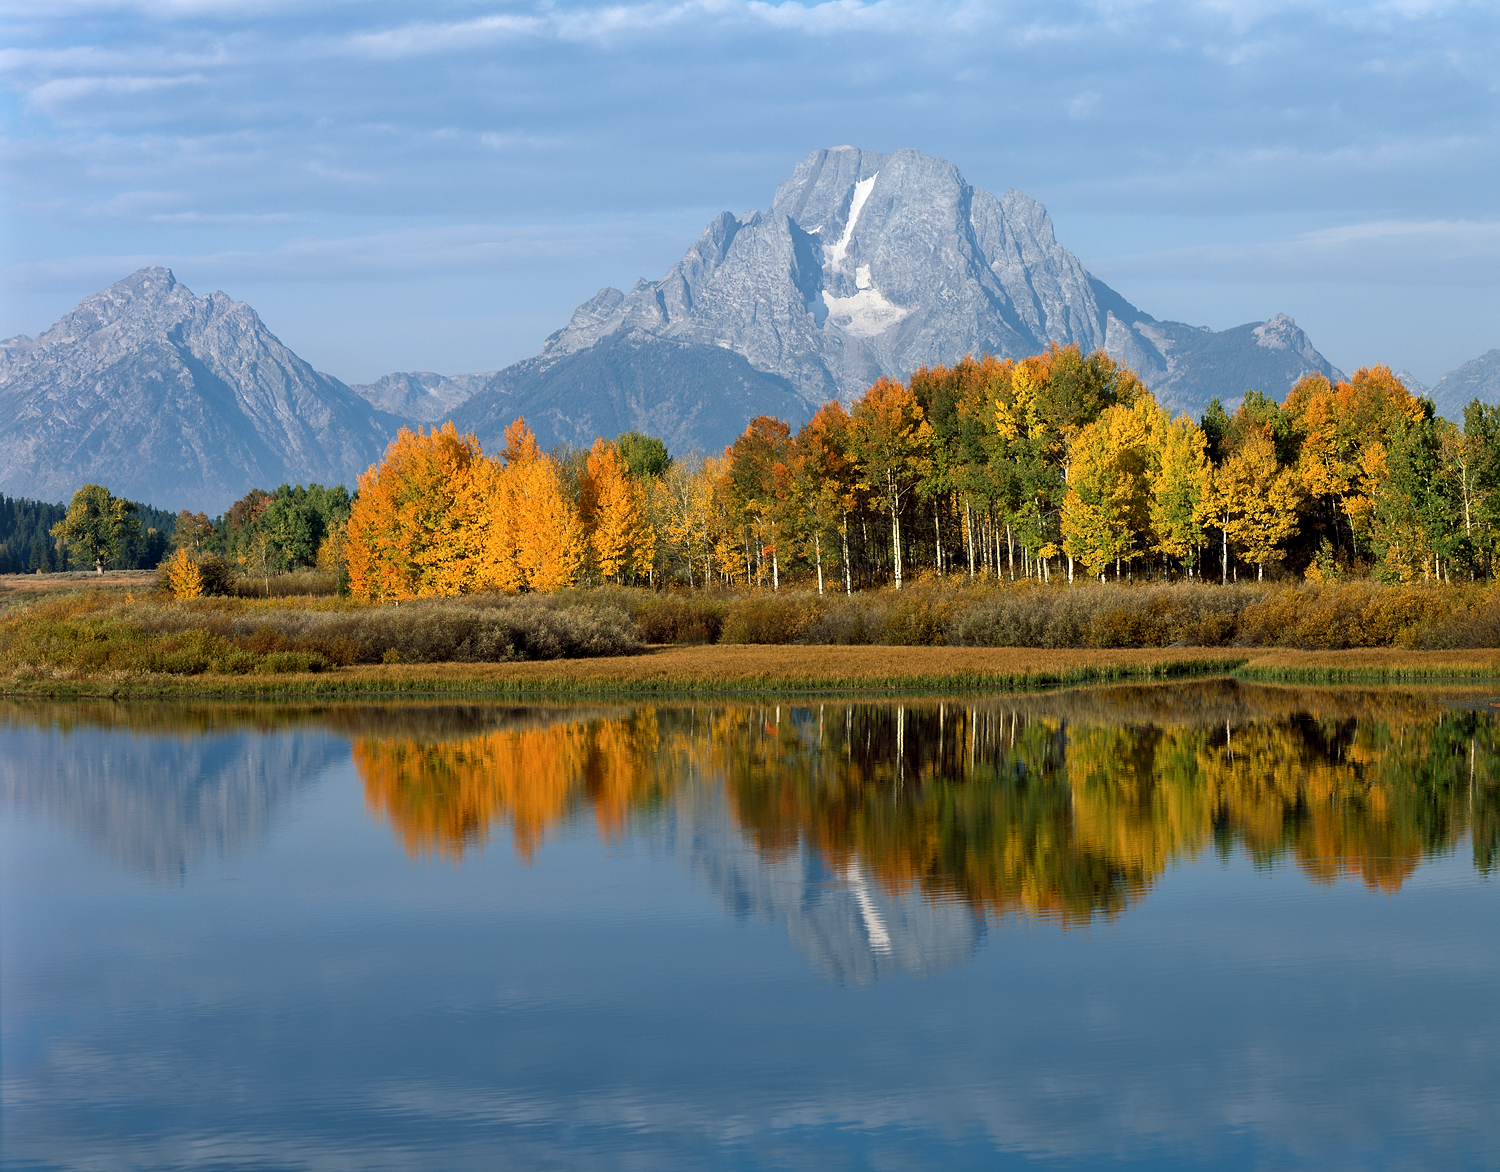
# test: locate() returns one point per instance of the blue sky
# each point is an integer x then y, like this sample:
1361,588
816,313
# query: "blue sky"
436,186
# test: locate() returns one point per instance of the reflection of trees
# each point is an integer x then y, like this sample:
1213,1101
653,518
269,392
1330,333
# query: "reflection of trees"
1031,813
445,797
1038,805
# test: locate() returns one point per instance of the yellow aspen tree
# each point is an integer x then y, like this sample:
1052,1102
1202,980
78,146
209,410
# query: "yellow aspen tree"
652,519
715,513
184,576
1107,508
892,445
614,513
1257,501
415,530
678,520
1336,425
549,539
1180,488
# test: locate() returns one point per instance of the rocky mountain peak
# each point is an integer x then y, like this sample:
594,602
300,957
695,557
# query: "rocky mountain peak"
177,400
874,263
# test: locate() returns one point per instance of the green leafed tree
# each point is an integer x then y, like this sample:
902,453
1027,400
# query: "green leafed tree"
98,526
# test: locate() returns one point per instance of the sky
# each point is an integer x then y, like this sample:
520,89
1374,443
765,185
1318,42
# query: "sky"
437,186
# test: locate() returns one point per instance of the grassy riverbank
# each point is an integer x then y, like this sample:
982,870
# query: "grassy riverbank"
667,671
114,636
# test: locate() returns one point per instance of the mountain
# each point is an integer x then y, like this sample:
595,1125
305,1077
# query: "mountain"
1412,383
866,264
159,804
419,395
1476,379
183,401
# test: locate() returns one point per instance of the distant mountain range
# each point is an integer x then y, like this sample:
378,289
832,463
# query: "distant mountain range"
1478,378
180,401
421,396
866,264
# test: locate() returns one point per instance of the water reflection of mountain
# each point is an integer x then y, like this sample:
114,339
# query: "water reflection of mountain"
160,804
854,929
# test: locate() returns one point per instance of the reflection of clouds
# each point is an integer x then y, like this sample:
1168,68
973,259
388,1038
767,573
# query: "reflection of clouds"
853,929
159,804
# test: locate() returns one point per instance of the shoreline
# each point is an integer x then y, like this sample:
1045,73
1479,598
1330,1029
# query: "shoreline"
757,669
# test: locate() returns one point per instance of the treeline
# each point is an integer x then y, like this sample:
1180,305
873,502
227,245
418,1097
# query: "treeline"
27,543
296,527
1055,465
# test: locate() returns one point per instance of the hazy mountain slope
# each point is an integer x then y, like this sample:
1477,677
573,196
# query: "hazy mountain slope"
419,396
634,381
871,264
1186,366
1478,378
183,401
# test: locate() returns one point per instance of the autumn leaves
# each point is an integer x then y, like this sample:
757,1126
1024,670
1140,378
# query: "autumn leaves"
438,517
1060,463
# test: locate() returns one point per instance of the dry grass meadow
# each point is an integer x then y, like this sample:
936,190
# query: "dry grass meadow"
118,635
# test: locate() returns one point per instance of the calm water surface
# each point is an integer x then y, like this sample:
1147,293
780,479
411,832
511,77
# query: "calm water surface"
1179,926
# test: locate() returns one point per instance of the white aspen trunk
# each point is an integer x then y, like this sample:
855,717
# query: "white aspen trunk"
844,535
896,544
1070,569
818,552
937,528
1010,545
1224,554
1260,572
775,569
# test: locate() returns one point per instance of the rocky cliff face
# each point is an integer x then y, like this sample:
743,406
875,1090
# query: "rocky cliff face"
180,401
873,264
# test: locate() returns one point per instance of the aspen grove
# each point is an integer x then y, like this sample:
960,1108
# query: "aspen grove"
1052,467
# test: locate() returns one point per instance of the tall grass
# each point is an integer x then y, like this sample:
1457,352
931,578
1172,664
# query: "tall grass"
92,634
953,612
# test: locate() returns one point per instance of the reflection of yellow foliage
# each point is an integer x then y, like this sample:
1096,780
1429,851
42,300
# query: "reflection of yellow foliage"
446,797
1013,813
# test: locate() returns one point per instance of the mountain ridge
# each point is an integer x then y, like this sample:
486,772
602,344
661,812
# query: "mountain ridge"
871,264
183,401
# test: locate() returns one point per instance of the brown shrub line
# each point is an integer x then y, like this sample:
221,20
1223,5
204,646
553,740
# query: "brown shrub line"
954,612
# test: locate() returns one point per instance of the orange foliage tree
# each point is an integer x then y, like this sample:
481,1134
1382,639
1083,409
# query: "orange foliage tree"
420,519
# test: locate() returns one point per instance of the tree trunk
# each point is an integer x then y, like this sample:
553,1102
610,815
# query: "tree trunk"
1224,555
896,544
818,551
844,536
937,528
969,535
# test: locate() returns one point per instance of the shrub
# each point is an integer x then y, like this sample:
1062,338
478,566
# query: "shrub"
777,618
677,618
